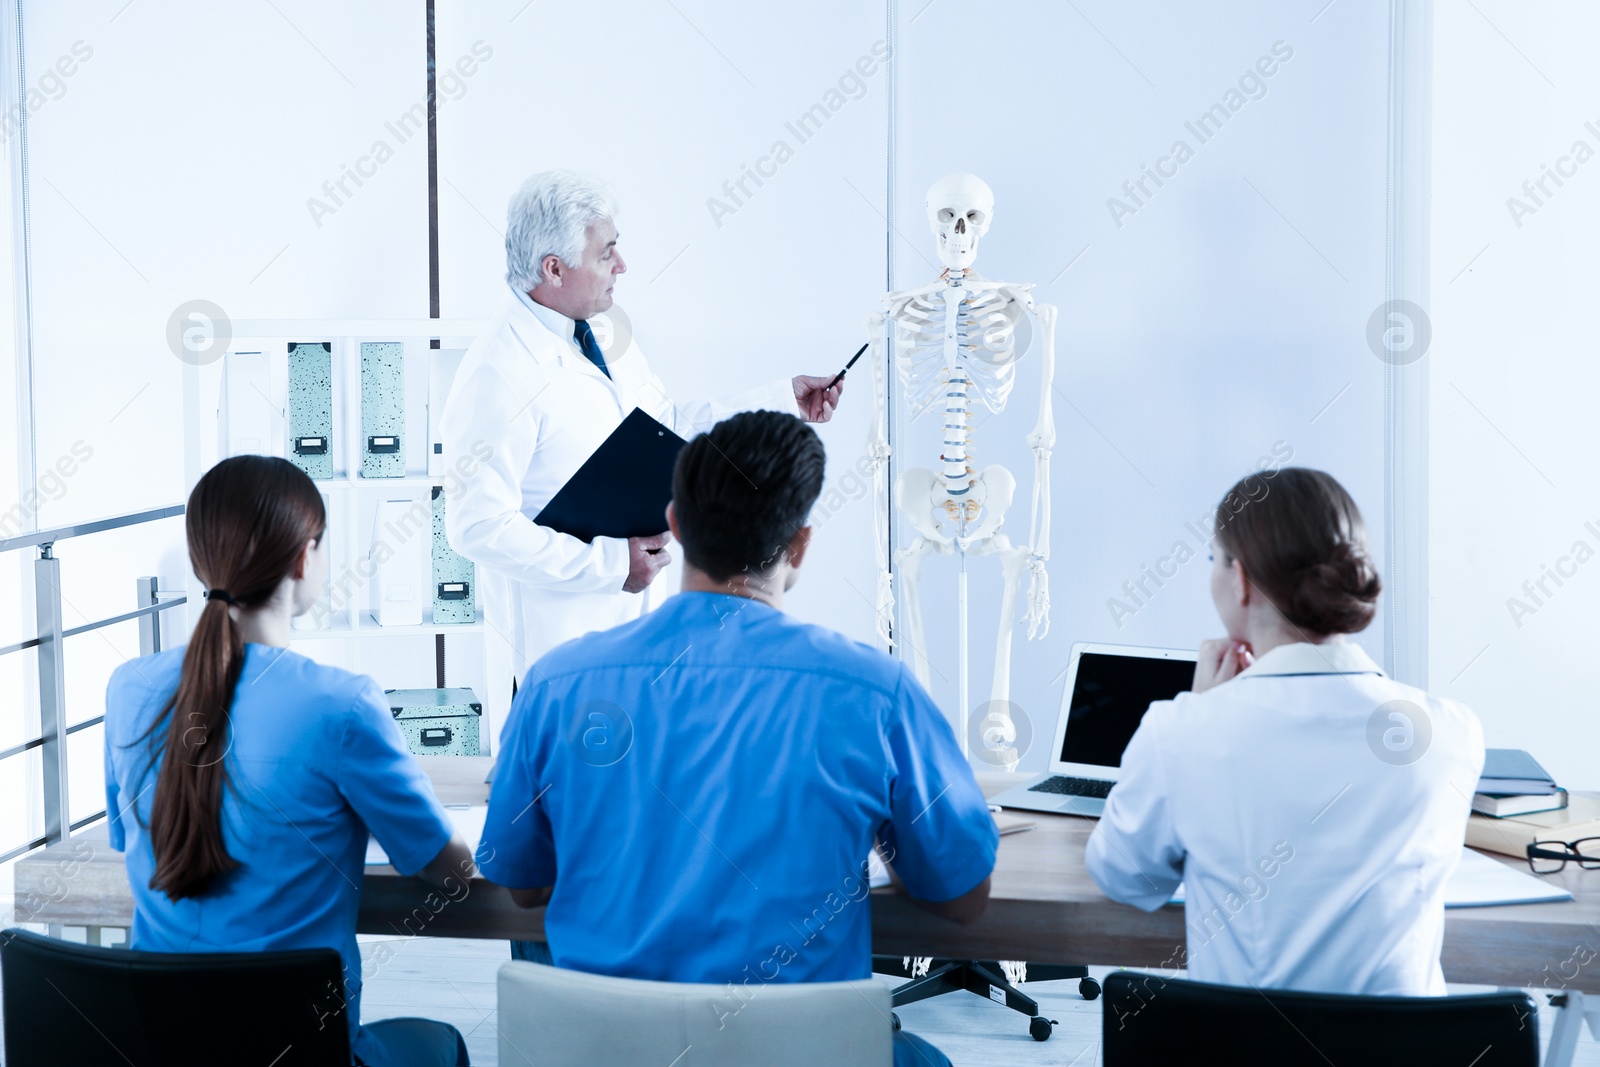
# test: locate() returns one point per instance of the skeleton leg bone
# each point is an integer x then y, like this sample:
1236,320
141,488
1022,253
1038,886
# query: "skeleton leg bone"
910,560
997,728
1012,563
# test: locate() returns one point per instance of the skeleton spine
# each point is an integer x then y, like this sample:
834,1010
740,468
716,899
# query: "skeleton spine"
957,473
957,463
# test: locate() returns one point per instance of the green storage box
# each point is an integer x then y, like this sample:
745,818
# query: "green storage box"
438,722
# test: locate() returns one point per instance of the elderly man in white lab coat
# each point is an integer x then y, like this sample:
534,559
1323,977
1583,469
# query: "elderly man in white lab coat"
535,396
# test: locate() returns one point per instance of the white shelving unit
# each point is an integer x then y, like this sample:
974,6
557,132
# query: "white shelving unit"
388,653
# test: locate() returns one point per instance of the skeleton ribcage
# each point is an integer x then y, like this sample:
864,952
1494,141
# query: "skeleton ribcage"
984,327
985,356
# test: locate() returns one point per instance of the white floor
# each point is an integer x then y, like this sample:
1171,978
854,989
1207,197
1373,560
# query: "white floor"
454,980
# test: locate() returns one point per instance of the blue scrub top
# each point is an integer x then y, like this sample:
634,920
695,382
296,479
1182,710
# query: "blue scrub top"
314,761
702,787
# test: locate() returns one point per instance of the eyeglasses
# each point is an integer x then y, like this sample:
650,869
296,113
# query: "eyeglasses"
1548,857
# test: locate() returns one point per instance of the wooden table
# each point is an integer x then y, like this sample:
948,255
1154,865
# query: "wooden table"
1044,908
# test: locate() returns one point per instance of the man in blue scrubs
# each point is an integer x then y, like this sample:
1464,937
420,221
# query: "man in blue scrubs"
714,774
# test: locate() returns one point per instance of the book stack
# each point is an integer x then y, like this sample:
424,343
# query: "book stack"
1511,835
1513,783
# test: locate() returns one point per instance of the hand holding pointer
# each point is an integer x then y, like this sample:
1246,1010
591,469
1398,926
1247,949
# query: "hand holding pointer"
818,400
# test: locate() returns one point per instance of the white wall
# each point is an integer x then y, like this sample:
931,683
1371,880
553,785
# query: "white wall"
1513,378
1222,318
173,164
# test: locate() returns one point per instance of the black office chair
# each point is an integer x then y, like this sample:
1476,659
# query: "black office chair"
111,1007
985,978
1149,1019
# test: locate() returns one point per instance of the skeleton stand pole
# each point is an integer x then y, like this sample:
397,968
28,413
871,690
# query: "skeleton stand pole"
961,651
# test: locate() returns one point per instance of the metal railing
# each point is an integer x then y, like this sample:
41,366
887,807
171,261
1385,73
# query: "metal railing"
53,728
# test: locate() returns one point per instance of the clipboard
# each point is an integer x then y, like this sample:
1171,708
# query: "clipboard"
623,489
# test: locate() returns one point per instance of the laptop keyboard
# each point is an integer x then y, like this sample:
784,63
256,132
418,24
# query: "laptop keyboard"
1074,787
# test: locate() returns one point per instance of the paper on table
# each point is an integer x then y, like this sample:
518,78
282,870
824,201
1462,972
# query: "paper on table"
468,823
877,873
1481,882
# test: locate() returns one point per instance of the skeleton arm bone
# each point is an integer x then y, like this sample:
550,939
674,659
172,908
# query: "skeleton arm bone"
1044,431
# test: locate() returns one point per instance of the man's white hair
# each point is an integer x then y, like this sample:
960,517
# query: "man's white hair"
550,215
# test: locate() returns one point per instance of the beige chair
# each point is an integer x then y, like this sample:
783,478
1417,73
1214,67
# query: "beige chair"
557,1018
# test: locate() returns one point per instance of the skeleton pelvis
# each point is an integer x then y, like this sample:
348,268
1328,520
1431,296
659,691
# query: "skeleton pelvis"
947,518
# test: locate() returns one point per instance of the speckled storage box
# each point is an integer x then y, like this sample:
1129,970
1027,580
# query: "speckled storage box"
383,409
454,599
311,408
437,722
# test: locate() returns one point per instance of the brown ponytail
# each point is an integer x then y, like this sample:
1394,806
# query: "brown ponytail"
247,522
1302,542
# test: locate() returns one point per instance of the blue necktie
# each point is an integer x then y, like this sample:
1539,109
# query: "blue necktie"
582,334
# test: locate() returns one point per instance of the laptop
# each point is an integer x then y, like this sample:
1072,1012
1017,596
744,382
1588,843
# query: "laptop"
1109,688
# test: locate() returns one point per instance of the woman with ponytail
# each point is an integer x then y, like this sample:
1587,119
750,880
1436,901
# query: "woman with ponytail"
242,779
1313,807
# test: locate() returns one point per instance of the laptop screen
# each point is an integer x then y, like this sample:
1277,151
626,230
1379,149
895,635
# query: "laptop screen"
1110,696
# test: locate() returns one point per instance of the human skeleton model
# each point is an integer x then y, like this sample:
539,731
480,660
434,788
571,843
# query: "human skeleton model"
956,341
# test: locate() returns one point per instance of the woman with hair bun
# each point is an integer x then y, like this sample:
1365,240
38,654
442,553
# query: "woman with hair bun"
242,779
1313,807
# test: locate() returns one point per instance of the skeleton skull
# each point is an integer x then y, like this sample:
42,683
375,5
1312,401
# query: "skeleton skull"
960,208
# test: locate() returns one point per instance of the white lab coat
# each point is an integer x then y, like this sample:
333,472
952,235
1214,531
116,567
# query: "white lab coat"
1309,860
525,411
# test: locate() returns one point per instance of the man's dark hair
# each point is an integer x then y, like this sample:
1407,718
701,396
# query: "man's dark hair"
742,490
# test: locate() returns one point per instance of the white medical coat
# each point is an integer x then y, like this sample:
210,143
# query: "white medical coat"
527,408
1313,830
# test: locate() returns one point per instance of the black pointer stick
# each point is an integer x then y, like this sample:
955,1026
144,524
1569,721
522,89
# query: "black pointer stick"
847,366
